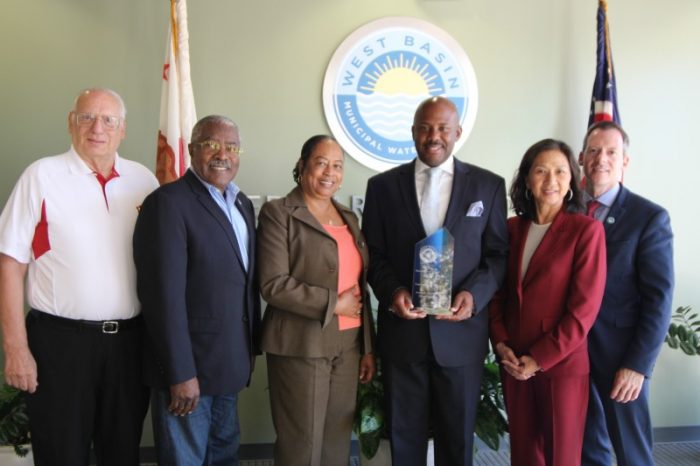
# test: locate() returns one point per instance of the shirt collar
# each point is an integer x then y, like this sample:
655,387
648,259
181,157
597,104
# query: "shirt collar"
231,190
77,165
448,166
607,198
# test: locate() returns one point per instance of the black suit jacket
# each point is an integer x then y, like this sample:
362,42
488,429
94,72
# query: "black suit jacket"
392,225
200,305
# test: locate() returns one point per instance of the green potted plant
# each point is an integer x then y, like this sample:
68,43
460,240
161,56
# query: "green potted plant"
369,424
491,424
684,331
14,423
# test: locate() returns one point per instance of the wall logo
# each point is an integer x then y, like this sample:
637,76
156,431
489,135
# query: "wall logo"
378,76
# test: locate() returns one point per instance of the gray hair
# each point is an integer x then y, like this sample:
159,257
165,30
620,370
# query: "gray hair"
210,120
117,97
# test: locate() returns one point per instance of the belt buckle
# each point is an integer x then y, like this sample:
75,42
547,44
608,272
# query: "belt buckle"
110,326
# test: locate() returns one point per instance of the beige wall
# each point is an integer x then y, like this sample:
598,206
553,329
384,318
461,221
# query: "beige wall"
262,63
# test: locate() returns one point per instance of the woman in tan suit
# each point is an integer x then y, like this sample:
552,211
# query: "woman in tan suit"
317,328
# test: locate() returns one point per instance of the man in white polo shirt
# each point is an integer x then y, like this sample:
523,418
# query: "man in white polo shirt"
67,228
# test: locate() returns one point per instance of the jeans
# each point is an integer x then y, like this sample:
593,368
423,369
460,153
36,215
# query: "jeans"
209,436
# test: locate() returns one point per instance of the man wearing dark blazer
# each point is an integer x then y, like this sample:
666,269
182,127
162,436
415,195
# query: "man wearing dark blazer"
194,248
432,365
633,320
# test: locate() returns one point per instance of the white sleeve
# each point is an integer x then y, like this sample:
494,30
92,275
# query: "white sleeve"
20,216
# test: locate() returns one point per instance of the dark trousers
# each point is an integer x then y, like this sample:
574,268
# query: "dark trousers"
623,427
90,390
424,394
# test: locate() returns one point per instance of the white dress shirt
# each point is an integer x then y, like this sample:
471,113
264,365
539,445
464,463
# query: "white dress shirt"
421,176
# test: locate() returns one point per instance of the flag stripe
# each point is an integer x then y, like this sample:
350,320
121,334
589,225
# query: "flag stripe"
604,100
177,110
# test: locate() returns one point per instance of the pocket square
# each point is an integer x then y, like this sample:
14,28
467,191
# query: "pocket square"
475,209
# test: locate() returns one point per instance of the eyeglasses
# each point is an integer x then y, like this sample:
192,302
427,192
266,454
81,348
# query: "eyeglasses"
88,119
214,147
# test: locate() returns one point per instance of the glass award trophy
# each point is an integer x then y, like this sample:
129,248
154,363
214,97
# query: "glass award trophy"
433,261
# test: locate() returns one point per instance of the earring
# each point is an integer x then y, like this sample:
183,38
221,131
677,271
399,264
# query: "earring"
570,194
528,194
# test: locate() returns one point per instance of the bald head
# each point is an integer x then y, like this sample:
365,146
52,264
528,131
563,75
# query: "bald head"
435,130
434,101
101,90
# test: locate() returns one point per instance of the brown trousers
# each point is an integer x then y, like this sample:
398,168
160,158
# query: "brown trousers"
313,403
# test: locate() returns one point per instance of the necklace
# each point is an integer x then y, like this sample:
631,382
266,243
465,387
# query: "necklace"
326,214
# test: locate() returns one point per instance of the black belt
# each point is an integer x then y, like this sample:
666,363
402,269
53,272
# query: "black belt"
102,326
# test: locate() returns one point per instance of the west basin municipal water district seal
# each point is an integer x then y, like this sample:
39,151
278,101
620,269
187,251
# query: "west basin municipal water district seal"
378,76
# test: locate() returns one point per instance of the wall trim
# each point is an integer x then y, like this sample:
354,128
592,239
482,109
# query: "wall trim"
677,434
261,451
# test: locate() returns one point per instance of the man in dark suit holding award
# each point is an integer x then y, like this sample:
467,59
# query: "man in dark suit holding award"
432,365
633,319
194,248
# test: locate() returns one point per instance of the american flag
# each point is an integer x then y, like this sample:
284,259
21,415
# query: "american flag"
604,100
177,112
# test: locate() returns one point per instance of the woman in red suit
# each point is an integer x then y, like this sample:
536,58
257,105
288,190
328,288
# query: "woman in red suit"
540,318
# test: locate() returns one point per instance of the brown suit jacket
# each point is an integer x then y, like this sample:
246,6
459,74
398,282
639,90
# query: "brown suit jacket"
298,272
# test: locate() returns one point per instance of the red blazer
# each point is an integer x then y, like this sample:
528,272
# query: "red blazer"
548,313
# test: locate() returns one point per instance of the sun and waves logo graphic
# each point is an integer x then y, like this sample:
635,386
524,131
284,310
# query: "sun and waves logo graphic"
378,76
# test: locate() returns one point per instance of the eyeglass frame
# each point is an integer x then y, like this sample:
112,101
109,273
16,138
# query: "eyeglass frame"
93,118
215,146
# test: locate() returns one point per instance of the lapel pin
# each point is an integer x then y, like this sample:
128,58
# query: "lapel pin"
610,220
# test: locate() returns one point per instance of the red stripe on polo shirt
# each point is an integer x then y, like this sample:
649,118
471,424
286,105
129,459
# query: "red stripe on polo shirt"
40,242
103,182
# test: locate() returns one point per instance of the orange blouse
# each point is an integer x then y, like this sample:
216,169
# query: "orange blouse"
349,268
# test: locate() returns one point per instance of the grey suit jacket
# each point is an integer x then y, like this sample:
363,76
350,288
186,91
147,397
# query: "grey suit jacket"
298,274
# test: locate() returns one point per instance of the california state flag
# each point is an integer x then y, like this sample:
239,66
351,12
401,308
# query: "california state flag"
177,113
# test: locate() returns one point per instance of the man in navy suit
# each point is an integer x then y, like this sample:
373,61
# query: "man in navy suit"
633,320
194,251
432,365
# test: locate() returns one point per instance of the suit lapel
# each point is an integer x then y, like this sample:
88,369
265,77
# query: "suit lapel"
549,247
458,196
204,198
407,187
617,210
302,213
354,228
244,207
515,257
295,198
